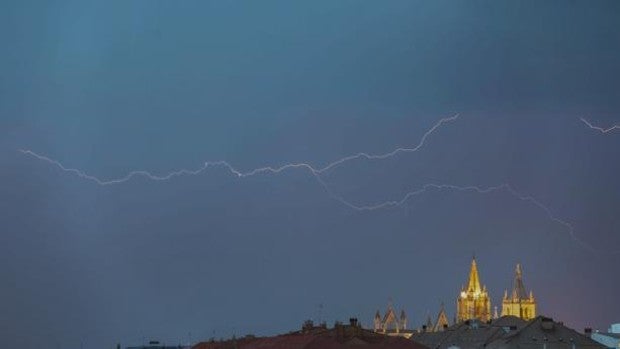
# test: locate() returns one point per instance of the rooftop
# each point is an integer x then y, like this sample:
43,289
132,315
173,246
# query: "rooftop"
341,336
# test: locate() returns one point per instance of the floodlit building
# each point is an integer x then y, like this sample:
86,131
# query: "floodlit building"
391,324
519,302
474,301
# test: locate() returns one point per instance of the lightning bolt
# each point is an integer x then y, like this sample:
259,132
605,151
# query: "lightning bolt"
267,169
317,172
480,190
600,129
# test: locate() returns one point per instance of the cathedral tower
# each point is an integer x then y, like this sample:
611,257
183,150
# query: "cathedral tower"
519,303
474,301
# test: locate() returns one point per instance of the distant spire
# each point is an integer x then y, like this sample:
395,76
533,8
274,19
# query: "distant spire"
429,324
474,279
518,289
403,319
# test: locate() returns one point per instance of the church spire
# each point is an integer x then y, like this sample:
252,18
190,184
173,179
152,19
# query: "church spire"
474,301
474,279
518,289
518,302
429,323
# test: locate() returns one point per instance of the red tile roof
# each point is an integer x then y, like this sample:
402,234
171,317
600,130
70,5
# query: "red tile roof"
322,340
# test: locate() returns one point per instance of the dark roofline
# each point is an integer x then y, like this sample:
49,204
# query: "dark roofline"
538,320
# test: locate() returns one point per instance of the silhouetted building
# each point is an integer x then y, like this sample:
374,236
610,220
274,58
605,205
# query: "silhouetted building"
542,332
157,345
507,332
469,333
341,336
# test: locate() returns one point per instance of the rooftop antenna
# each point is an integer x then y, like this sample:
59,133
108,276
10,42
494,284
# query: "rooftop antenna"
320,317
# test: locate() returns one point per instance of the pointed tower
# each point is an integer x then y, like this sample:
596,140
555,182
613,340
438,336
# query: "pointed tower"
377,321
390,321
442,320
403,320
392,324
474,301
474,280
429,324
519,303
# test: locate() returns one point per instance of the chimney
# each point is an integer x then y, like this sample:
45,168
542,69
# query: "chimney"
307,326
588,331
353,322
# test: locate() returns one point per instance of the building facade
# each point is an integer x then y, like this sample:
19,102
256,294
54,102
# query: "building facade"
474,301
519,303
391,324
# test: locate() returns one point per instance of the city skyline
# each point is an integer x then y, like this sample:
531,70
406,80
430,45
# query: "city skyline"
221,168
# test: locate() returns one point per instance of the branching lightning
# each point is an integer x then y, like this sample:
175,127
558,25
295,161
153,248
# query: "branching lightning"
317,172
600,129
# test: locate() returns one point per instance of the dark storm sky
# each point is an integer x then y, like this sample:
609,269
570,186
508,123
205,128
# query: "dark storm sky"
116,86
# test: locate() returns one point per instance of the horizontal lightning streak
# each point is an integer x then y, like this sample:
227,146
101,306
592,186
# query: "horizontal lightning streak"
316,172
480,190
267,169
600,129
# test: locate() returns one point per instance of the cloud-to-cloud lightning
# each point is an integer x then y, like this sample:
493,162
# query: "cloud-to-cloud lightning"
600,129
480,190
318,171
232,170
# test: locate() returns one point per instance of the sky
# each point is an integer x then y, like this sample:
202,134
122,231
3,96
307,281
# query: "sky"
111,87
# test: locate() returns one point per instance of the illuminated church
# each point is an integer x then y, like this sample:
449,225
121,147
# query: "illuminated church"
519,303
390,324
474,301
